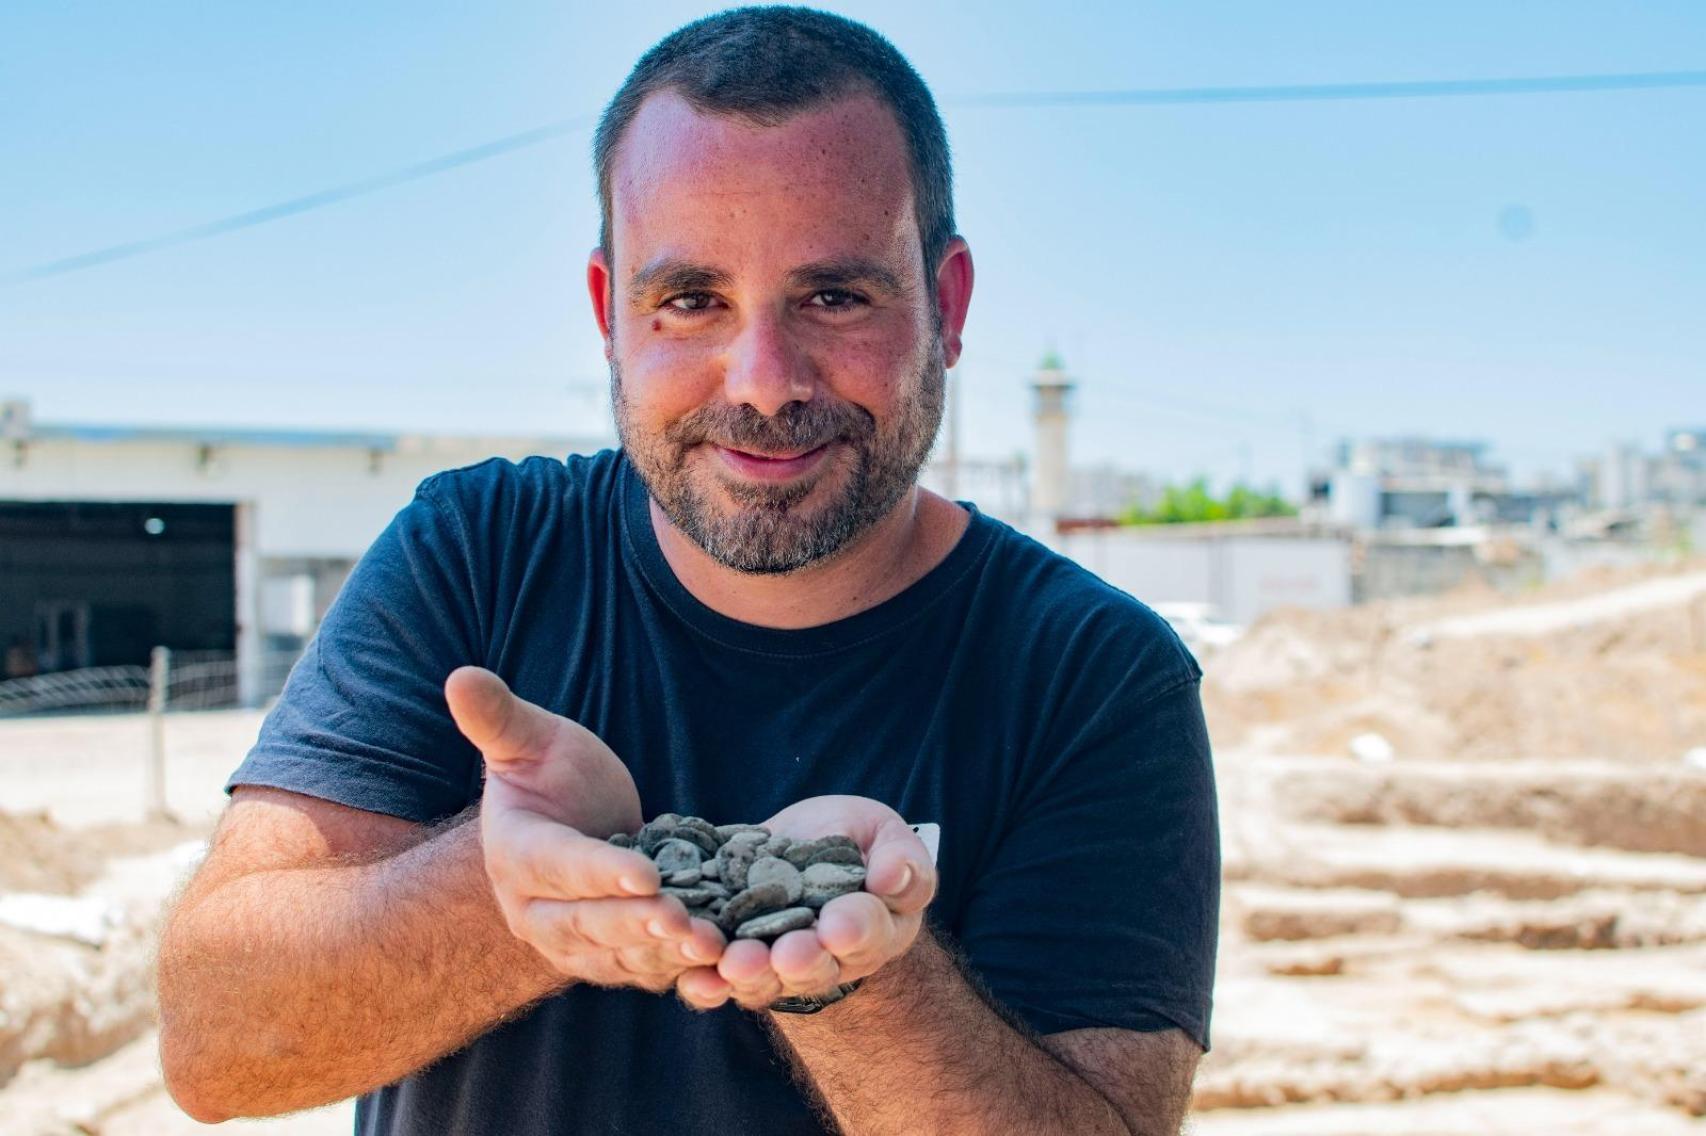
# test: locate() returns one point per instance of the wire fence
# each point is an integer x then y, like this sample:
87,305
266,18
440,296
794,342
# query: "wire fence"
173,681
181,680
92,688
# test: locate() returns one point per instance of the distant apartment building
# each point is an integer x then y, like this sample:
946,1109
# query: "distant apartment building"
1419,483
1411,483
1625,477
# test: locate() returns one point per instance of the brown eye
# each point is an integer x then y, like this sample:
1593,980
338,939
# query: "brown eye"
689,302
835,299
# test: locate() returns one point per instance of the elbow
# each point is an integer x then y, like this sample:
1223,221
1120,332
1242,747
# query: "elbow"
186,1084
188,1063
191,1108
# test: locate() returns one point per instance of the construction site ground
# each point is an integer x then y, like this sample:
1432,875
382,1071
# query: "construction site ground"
1465,887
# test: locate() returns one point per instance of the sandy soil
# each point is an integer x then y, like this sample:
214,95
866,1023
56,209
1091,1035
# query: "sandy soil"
89,770
1618,675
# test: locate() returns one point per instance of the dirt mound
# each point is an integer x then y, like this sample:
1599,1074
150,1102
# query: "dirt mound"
71,1004
1641,808
1585,678
38,855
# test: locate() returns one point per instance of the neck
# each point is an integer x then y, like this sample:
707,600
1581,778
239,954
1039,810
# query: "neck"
882,562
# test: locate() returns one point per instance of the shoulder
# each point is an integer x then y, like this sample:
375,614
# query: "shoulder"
498,502
1067,613
532,483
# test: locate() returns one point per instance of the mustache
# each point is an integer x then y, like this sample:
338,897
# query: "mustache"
797,426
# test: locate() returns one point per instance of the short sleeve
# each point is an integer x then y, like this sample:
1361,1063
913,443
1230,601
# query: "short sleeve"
1101,905
362,720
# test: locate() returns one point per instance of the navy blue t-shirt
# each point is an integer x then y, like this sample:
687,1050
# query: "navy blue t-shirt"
1049,723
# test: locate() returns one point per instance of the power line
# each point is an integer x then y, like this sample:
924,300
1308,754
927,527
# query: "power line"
1331,92
1135,97
333,196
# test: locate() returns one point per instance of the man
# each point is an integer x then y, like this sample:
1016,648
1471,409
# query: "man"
758,610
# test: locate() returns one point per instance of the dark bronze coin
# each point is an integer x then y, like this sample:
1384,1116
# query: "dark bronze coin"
755,901
776,923
674,855
773,869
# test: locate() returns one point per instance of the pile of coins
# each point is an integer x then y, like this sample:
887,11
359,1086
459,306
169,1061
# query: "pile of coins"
751,883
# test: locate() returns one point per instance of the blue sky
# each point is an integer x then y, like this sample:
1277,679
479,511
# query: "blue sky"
1525,269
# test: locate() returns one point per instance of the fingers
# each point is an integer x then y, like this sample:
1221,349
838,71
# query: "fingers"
802,965
745,966
898,868
754,975
658,964
563,927
898,865
863,934
645,943
705,943
509,731
703,988
536,857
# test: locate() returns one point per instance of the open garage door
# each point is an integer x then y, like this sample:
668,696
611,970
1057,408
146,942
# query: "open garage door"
94,584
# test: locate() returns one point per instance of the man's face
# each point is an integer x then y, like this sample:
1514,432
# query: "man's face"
775,357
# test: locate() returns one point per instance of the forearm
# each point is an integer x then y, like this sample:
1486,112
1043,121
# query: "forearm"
917,1050
287,989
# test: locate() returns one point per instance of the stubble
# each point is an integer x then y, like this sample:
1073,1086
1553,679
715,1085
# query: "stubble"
774,529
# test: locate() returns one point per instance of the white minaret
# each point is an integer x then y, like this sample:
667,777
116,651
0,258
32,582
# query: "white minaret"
1049,480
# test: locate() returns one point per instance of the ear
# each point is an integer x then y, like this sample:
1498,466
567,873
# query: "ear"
953,296
598,284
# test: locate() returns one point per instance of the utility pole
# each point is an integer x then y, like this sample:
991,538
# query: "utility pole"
159,681
1306,438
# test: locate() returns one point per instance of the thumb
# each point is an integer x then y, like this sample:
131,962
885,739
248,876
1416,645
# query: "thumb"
509,731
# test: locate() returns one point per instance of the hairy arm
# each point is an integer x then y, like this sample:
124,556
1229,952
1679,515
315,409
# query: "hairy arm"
918,1049
323,952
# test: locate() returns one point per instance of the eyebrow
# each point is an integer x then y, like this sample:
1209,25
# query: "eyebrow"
845,271
670,275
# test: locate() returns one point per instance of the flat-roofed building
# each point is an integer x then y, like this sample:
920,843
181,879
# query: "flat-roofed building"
207,541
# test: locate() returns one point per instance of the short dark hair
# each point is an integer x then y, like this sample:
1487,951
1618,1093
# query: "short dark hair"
767,64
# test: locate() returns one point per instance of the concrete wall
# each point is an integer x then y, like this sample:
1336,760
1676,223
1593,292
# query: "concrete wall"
1243,576
1391,567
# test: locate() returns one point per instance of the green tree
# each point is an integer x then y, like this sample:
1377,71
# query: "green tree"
1194,504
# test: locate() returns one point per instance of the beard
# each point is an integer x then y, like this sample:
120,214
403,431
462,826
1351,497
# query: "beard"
771,529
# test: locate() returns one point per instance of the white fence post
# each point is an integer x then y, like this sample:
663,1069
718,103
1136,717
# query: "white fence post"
159,674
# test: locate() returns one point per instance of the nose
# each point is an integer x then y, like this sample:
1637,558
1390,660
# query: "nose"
764,368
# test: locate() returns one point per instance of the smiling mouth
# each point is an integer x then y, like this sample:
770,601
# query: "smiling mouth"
794,455
783,466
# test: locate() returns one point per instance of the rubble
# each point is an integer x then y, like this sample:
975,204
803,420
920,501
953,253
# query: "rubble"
1614,675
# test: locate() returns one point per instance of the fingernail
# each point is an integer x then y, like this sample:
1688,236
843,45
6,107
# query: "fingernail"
696,951
658,930
905,880
633,886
